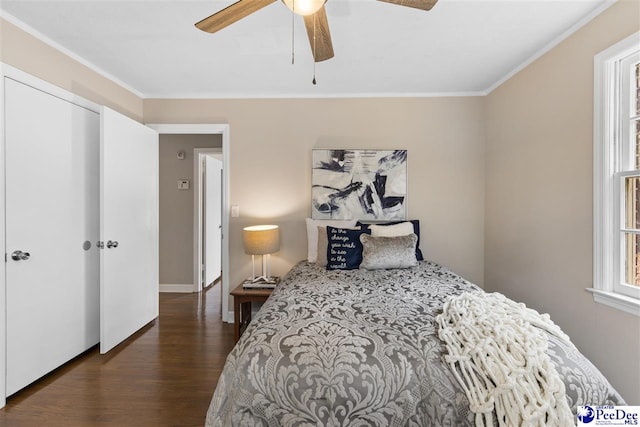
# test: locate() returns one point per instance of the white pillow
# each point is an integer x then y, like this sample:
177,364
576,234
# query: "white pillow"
395,230
312,233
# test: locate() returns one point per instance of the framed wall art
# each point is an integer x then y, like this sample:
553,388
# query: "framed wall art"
359,184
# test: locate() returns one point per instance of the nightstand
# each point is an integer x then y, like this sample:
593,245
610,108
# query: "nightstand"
242,299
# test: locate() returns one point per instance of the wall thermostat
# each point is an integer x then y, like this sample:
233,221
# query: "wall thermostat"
183,184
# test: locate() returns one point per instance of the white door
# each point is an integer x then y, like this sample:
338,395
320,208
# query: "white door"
213,219
52,292
128,227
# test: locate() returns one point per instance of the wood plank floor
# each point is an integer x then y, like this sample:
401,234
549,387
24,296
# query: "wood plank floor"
164,375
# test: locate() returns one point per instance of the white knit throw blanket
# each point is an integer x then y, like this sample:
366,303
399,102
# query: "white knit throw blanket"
497,351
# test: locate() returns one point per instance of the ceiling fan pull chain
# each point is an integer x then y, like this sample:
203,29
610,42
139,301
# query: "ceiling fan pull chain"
314,49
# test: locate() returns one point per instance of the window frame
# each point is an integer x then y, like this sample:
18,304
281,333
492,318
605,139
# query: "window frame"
619,282
609,178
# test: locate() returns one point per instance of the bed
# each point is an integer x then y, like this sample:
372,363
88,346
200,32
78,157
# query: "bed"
361,347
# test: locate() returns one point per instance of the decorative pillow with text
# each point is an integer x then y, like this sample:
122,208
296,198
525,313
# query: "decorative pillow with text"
344,249
312,233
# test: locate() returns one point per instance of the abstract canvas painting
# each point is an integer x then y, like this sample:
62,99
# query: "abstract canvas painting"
359,184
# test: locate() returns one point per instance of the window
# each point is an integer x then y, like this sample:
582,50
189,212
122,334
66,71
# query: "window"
617,176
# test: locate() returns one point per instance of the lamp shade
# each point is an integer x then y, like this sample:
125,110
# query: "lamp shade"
261,239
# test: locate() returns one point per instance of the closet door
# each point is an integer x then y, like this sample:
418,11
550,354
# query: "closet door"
52,268
128,227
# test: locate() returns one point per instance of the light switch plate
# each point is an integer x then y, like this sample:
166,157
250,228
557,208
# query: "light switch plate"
235,211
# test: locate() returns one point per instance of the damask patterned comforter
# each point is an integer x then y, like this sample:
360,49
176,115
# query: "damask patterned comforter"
361,348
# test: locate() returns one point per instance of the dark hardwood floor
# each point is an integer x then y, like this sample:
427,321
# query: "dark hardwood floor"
164,375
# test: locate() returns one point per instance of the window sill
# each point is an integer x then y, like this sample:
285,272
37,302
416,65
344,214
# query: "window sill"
620,302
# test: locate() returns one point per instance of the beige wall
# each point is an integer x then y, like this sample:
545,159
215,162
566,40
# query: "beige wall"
176,206
27,53
538,236
536,242
270,170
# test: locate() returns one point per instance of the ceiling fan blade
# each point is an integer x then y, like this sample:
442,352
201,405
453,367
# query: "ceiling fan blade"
231,14
418,4
319,35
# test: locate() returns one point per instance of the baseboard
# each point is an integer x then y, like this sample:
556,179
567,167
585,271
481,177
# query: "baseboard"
179,288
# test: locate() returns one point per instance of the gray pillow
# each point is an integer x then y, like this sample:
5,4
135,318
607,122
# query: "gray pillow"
388,252
322,247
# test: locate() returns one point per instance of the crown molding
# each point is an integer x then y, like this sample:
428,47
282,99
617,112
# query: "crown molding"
555,42
57,46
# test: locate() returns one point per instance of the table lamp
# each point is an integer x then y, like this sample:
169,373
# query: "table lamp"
261,240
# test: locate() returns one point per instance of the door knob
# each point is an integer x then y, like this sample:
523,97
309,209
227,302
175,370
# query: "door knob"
112,244
20,256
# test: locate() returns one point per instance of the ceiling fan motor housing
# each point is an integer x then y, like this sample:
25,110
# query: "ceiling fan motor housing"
304,7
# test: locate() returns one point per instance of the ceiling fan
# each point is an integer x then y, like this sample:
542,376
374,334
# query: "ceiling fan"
313,12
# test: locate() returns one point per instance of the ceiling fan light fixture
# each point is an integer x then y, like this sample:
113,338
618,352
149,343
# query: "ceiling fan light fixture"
304,7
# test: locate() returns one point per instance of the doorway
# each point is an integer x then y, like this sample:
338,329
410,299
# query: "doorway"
194,284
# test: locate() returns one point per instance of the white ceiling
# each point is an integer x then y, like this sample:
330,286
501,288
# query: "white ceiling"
460,47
